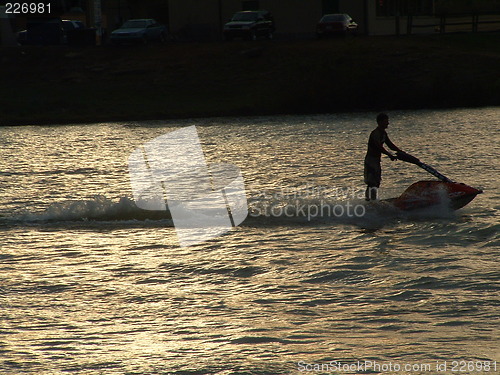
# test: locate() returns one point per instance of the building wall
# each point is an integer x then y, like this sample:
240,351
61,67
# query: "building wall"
116,11
7,37
195,19
294,17
204,19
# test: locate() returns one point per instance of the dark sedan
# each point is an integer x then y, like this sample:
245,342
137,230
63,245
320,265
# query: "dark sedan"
336,24
250,25
139,31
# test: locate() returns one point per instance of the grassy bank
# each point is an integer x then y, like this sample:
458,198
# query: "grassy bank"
56,85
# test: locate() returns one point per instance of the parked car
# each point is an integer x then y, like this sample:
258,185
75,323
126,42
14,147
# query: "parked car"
336,24
250,25
61,32
42,31
72,25
139,31
72,29
22,37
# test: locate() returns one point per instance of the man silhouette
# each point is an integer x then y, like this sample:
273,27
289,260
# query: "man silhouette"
373,171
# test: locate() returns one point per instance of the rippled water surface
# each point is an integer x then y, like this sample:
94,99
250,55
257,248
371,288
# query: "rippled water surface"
90,284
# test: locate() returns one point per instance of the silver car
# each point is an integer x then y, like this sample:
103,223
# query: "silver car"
139,31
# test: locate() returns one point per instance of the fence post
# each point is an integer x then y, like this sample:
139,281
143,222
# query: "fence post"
397,20
475,23
409,24
442,24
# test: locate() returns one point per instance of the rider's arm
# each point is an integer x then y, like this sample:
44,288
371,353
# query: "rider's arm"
384,151
391,145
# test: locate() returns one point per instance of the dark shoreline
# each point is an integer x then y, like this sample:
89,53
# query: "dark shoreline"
58,85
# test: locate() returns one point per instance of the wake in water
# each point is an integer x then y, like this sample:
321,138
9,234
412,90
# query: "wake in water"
263,210
99,209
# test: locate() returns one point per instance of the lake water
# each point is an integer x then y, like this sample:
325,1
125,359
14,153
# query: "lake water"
90,284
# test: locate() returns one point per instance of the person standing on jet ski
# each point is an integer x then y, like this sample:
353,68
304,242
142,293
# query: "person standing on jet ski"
373,171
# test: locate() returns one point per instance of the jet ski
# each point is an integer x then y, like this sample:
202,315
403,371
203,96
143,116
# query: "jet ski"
424,194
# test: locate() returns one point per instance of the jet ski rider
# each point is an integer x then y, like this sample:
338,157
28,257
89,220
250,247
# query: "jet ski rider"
372,170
